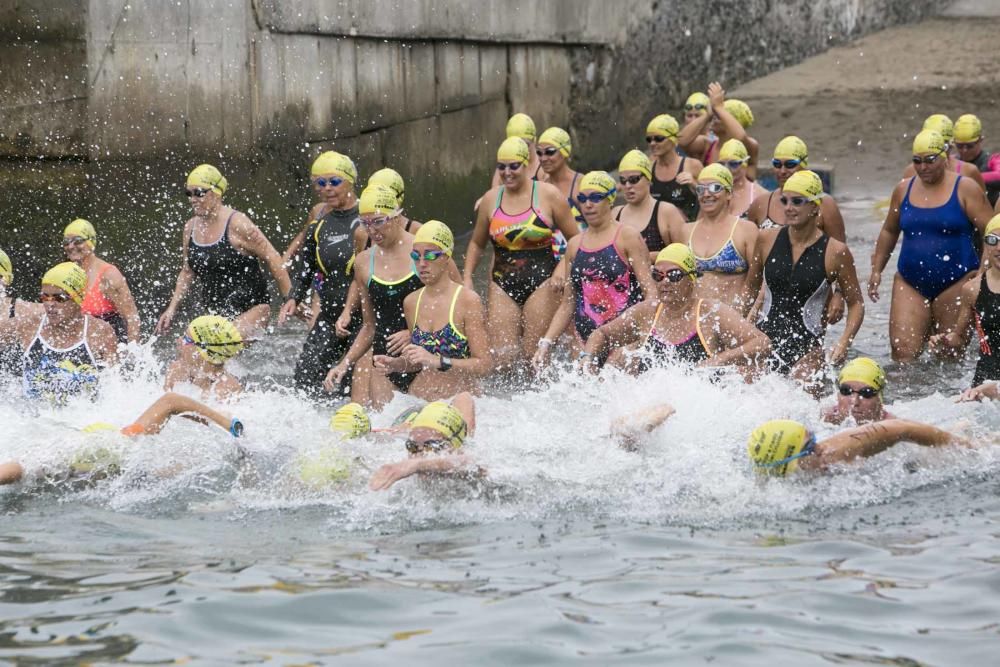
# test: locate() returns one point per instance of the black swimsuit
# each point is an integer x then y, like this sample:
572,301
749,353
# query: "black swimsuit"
387,302
676,193
231,283
987,312
651,232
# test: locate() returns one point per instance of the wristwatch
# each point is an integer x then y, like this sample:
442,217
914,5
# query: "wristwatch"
445,364
236,427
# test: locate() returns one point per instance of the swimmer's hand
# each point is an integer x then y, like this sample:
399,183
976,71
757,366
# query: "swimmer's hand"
391,473
386,364
287,310
165,320
988,390
835,308
684,178
944,341
397,342
414,355
336,375
340,327
716,95
838,353
540,359
874,280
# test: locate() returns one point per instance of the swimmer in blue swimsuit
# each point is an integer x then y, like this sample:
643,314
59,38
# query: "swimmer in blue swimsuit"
939,214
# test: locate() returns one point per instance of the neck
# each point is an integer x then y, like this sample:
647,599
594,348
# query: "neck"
69,328
668,158
440,285
720,214
803,232
679,308
600,223
640,203
87,261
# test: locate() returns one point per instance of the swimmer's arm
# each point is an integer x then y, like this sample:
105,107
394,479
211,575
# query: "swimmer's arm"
971,172
251,240
755,272
869,440
102,340
11,472
480,361
846,277
833,221
746,296
733,128
391,473
305,267
669,218
316,213
889,234
691,137
564,313
743,343
119,294
562,217
184,279
156,416
956,337
753,148
627,328
477,242
638,256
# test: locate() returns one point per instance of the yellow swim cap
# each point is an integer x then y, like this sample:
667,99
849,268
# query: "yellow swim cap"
805,182
332,162
513,149
734,150
217,339
717,172
391,179
663,125
599,181
84,230
350,421
940,124
68,277
968,129
636,160
327,467
207,177
681,255
6,269
776,446
520,125
558,137
864,370
444,419
377,198
928,142
792,148
436,233
698,99
993,225
93,460
740,111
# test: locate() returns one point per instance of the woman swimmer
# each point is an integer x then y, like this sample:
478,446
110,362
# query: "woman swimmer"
553,150
678,325
62,347
722,243
672,176
518,312
323,263
859,393
223,249
798,264
942,125
781,446
939,247
520,125
217,340
108,297
384,276
609,268
11,308
449,349
150,422
652,218
734,156
727,119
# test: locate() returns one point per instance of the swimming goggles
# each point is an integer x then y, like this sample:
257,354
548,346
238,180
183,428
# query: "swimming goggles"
187,340
377,222
787,164
436,445
807,449
673,275
427,255
711,188
927,159
630,180
594,197
513,166
547,152
655,138
332,181
864,392
57,298
991,239
73,240
795,201
694,107
733,165
965,146
196,192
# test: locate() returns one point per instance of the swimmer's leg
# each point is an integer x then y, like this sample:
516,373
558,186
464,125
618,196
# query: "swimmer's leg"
156,416
11,472
503,318
252,323
538,312
809,371
945,309
361,382
627,429
909,321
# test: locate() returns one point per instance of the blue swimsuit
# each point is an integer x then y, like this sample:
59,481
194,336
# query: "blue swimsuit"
727,260
938,246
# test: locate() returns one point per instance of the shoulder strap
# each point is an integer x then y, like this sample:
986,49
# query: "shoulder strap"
319,260
534,195
451,311
371,265
416,310
697,328
656,317
910,186
499,201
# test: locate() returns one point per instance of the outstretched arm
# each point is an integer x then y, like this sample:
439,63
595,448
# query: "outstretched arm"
865,441
391,473
156,416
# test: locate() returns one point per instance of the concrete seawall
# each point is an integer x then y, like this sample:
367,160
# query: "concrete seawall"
423,85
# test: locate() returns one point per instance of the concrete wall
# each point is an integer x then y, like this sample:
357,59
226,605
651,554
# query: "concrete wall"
420,84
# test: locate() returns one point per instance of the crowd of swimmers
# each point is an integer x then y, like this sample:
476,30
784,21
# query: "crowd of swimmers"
682,258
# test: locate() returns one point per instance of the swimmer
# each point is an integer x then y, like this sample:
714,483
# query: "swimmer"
782,446
324,263
939,214
62,347
435,444
734,156
722,243
223,250
967,140
150,422
609,269
859,393
672,177
727,119
652,218
798,263
108,297
696,106
518,311
988,391
384,276
11,308
979,306
553,150
520,125
942,125
449,348
679,326
217,340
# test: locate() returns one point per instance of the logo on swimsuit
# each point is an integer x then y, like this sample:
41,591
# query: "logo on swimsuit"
56,382
334,240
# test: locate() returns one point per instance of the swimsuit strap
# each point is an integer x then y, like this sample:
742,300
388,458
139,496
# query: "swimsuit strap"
534,197
371,265
572,185
909,187
451,311
319,260
416,311
767,211
697,327
656,318
618,218
499,201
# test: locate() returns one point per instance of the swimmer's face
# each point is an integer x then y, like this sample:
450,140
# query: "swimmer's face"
429,270
854,404
381,228
785,167
549,157
668,291
58,305
76,248
798,210
712,196
512,172
634,186
931,172
969,151
593,211
693,114
333,189
660,146
203,202
423,441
